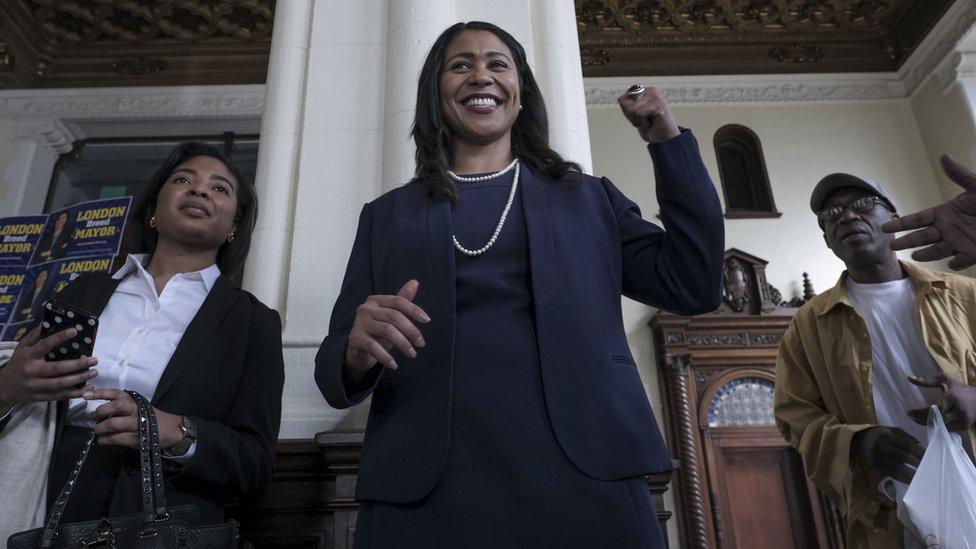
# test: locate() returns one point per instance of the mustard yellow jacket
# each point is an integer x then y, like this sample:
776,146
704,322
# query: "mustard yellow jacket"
823,389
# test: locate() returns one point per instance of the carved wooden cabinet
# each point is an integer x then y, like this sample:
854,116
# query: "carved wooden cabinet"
739,485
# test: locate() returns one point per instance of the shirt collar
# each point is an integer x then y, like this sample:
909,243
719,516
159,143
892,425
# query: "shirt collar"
923,279
134,264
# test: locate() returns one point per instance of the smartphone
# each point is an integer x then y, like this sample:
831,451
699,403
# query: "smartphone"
60,316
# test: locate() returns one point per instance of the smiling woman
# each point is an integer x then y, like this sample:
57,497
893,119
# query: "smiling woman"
476,87
481,308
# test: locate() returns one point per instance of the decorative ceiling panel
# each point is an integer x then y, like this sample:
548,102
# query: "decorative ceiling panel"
58,43
683,37
78,43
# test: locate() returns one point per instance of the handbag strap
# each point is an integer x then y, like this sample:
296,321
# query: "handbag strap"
150,461
150,468
51,525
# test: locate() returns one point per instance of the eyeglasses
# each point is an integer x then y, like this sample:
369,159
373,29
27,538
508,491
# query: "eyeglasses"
861,205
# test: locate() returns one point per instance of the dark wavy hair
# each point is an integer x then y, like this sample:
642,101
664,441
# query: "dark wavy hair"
434,138
230,255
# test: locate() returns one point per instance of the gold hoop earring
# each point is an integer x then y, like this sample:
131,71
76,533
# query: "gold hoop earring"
152,222
230,237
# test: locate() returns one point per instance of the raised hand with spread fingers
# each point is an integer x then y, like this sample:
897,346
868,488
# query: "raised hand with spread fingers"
949,229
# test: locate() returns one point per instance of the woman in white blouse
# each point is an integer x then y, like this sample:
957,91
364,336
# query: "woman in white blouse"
173,327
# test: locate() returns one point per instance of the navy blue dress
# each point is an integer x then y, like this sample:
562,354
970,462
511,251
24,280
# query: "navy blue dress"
506,482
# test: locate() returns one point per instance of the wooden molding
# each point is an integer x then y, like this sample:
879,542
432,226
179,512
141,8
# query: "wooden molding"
179,42
932,52
687,37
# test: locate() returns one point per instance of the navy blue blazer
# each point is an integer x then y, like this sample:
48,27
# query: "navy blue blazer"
588,245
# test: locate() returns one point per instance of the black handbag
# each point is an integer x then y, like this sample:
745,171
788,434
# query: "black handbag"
156,527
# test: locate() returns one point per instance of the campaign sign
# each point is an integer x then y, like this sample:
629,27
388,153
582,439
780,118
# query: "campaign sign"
11,282
86,229
18,237
44,281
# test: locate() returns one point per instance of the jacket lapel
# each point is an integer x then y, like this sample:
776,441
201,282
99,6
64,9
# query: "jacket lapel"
440,261
538,222
198,332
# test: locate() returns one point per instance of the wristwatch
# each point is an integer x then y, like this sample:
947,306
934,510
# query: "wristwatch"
189,430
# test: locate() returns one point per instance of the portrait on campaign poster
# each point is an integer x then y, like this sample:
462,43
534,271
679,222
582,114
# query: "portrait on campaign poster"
86,229
18,238
56,238
37,286
11,283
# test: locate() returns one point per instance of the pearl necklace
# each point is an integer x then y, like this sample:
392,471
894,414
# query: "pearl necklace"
480,178
501,222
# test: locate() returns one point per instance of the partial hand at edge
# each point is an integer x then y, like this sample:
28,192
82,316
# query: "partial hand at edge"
957,402
948,229
28,377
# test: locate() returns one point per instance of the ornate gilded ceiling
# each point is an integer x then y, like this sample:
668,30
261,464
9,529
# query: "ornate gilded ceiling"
65,43
58,43
677,37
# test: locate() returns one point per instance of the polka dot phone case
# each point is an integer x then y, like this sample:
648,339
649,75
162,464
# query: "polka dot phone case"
59,316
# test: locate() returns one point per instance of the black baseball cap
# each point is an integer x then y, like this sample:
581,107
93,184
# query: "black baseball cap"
836,181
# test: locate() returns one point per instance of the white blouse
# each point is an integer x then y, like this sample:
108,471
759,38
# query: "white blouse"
138,332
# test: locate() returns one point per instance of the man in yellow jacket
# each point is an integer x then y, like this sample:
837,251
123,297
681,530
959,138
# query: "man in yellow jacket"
860,363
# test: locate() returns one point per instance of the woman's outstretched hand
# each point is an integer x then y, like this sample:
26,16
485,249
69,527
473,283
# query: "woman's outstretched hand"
649,113
382,323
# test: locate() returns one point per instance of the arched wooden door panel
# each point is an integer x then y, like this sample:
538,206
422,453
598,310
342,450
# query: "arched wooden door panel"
760,496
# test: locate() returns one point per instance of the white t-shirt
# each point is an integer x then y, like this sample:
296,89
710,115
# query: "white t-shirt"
891,314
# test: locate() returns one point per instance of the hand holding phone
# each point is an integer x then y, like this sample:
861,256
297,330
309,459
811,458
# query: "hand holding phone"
29,377
60,316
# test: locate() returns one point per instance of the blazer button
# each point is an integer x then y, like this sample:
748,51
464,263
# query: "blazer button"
131,471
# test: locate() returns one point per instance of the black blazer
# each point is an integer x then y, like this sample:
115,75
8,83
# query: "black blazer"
588,245
226,374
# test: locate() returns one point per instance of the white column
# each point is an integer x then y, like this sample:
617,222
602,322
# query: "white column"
339,169
948,119
559,71
41,142
958,69
266,273
965,78
412,25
